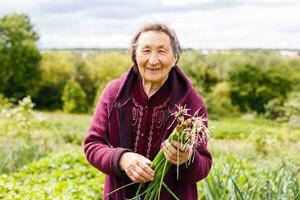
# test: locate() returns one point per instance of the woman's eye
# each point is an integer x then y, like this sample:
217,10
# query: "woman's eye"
161,51
146,51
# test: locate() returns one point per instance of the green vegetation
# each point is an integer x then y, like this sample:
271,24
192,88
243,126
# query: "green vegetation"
64,175
19,56
239,178
74,98
254,158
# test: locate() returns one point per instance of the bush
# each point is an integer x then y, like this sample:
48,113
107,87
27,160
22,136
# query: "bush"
56,68
203,76
74,98
274,109
21,119
285,111
218,102
252,86
84,76
4,102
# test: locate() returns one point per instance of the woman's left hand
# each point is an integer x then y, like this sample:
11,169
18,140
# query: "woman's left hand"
171,151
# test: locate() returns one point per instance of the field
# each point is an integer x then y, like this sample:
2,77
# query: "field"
253,159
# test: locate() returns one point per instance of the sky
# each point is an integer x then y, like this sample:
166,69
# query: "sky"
199,24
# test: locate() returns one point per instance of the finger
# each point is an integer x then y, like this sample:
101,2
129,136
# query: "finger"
145,160
179,157
169,148
147,168
145,171
164,146
175,161
185,156
145,163
171,152
180,146
135,177
165,150
174,151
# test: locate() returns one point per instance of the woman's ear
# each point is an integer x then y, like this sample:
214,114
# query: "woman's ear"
174,60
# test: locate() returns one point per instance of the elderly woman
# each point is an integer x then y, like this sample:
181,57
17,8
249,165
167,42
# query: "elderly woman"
133,115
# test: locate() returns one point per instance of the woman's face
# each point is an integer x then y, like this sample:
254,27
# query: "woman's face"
154,56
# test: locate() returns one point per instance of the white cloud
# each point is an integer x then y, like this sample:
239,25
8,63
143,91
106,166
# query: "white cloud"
198,23
185,2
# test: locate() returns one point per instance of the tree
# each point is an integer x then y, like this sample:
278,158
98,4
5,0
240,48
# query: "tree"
84,77
19,56
252,86
74,98
56,69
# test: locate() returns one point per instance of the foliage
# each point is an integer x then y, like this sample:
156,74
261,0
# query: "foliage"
17,143
58,130
68,128
4,102
218,102
274,109
19,56
17,152
107,65
204,76
252,86
259,80
244,128
238,178
56,69
64,175
285,111
74,98
21,119
83,76
90,69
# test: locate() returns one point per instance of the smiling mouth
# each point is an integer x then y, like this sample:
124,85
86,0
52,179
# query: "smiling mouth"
153,69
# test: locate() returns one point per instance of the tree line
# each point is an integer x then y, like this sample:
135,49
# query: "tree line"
230,81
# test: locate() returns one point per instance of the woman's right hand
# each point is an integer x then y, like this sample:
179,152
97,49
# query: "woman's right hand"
137,167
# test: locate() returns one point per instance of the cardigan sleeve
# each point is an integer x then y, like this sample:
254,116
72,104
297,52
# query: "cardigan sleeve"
97,151
200,166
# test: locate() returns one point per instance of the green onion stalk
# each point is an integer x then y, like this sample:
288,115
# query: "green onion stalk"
190,130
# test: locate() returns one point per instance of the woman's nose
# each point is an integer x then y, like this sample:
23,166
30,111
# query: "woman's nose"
153,60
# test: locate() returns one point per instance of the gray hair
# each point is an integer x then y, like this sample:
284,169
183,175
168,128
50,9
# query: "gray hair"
156,27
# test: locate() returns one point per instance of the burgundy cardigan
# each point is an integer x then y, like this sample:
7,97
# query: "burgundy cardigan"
109,136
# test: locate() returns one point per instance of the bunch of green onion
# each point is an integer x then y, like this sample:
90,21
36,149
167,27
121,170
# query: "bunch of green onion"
189,131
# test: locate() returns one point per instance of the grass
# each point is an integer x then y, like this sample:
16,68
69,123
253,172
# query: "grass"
20,148
239,128
235,177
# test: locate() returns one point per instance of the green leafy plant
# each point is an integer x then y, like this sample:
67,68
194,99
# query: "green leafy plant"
74,98
21,118
63,175
233,178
